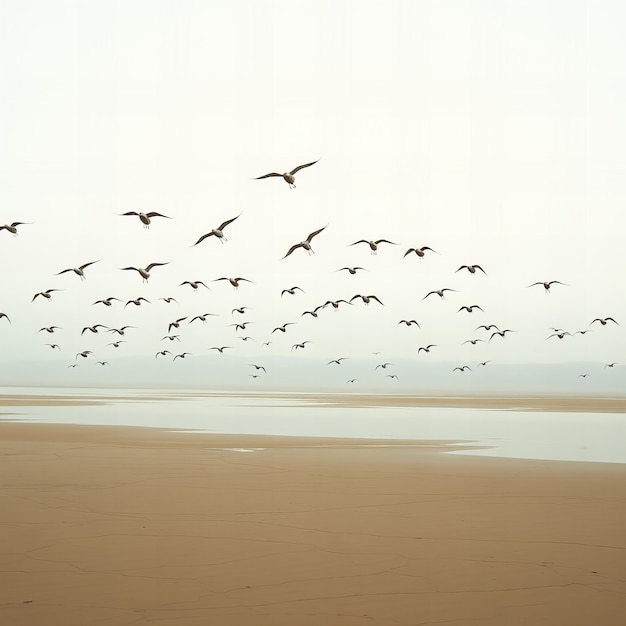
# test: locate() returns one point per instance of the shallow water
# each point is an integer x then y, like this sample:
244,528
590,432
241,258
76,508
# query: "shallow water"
596,437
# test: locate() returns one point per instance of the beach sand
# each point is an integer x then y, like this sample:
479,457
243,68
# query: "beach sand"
129,526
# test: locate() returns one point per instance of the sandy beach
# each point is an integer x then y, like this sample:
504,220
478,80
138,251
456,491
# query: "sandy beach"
123,526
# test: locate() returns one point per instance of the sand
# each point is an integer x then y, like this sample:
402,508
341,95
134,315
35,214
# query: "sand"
128,526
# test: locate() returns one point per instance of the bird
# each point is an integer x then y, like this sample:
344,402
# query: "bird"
175,323
427,348
583,375
306,244
93,329
5,315
282,328
194,284
352,270
119,331
484,362
291,291
181,356
221,348
146,218
217,232
257,367
559,335
144,272
299,345
234,281
547,285
288,177
335,304
337,361
107,301
45,294
254,376
50,329
352,380
463,368
314,313
137,302
169,300
84,354
610,365
470,309
366,299
604,320
241,310
116,344
471,269
582,332
383,365
420,252
410,323
202,317
240,325
102,362
162,353
171,337
73,365
392,376
54,346
373,244
501,333
487,327
439,292
79,271
473,341
12,227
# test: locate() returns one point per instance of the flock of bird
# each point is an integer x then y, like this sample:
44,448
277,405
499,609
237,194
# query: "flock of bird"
173,335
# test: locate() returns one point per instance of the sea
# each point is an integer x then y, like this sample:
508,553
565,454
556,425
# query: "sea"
511,433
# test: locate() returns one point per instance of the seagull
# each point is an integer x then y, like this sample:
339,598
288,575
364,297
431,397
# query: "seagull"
146,217
487,328
169,300
254,376
501,333
582,332
282,328
145,272
439,292
547,285
217,232
116,344
181,356
73,365
119,331
240,326
314,313
337,361
392,376
473,341
45,294
604,320
463,368
427,348
299,345
137,302
366,299
102,362
171,337
306,244
471,269
288,177
50,329
54,346
470,309
610,365
419,251
241,310
84,354
93,329
352,380
352,270
12,228
221,349
484,362
559,335
583,375
5,315
194,284
245,338
202,317
409,323
334,303
233,281
374,244
291,292
107,301
176,323
161,353
383,365
79,271
257,367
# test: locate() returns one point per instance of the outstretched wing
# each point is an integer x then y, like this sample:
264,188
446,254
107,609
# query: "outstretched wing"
268,176
149,268
223,225
314,233
294,247
300,167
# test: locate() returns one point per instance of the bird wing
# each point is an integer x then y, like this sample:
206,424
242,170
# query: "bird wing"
294,247
223,225
149,268
315,232
268,175
300,167
202,238
155,214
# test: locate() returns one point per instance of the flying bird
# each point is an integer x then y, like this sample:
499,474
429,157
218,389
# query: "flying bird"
175,323
470,309
306,244
291,291
501,333
420,252
161,353
383,365
107,301
221,349
337,361
366,299
181,356
373,245
169,300
473,341
282,328
217,232
334,303
144,272
352,270
427,348
119,331
84,354
92,329
288,177
257,367
299,345
5,315
50,329
409,323
610,365
604,320
463,368
547,285
137,302
241,310
194,284
79,271
392,376
146,218
487,327
471,269
559,335
202,317
116,344
54,346
45,294
234,281
12,228
439,292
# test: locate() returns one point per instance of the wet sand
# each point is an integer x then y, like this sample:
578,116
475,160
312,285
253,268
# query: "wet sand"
126,526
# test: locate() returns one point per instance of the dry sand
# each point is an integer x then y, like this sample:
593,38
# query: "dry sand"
122,526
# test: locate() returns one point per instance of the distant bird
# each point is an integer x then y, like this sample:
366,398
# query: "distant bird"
45,294
102,362
12,228
383,365
366,299
137,302
352,270
471,269
501,333
288,177
610,365
282,328
559,335
54,346
144,272
107,301
314,313
470,309
420,252
337,361
427,348
72,365
5,315
181,356
373,245
119,331
194,284
241,326
254,376
299,345
257,367
162,353
484,362
306,244
217,232
50,329
171,337
604,320
409,323
335,303
266,343
463,368
547,285
169,300
473,341
439,292
487,327
582,332
116,344
352,380
241,310
233,281
291,291
79,271
146,218
583,375
175,323
392,376
202,317
92,329
84,354
221,349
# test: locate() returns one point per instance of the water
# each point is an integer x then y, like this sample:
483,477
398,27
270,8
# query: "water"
595,437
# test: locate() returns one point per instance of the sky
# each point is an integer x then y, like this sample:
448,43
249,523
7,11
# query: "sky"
491,131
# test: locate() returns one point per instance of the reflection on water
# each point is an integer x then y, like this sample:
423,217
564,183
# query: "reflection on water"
522,434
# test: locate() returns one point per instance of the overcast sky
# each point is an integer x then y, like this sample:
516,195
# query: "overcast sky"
492,132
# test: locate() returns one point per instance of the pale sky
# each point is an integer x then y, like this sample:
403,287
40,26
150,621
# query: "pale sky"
493,132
